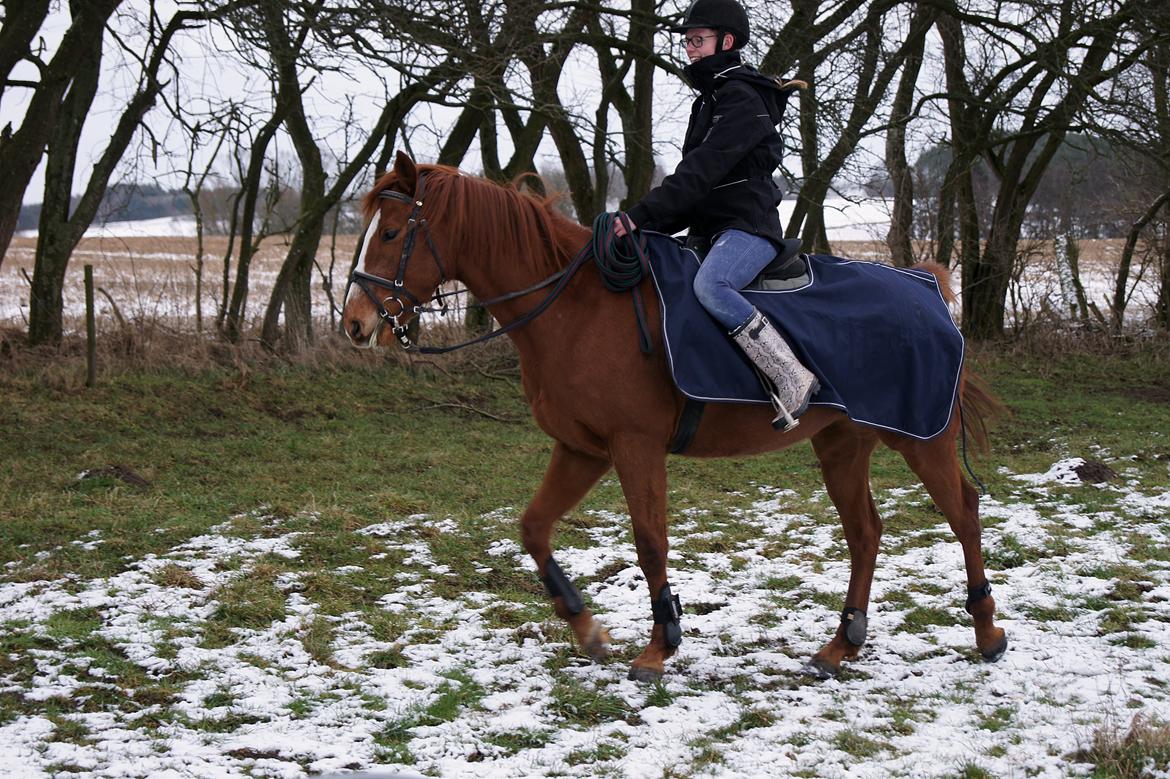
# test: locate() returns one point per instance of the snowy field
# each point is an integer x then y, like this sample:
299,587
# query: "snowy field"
147,268
485,687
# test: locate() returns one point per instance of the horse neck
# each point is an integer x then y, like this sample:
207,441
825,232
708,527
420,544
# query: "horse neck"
492,271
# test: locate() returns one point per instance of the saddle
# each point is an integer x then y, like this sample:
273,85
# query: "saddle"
789,270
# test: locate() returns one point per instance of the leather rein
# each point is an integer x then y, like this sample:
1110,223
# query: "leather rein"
620,272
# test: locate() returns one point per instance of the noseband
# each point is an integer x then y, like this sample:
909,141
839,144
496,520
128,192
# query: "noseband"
398,292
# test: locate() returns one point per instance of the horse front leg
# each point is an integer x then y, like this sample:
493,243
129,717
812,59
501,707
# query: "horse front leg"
844,451
641,467
569,477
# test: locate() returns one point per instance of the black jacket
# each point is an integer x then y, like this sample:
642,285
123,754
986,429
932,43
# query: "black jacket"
724,180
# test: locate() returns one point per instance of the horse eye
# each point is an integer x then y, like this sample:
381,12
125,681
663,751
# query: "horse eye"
389,235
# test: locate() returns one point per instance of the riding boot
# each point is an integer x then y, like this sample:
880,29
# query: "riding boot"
791,384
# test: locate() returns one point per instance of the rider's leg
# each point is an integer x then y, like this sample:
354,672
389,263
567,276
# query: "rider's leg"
735,259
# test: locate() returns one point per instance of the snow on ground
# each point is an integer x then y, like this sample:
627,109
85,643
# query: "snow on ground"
135,228
918,703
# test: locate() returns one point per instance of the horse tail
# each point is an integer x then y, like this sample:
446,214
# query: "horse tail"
943,276
978,406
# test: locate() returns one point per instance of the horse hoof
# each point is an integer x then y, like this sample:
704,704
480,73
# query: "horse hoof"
640,673
820,669
597,647
996,652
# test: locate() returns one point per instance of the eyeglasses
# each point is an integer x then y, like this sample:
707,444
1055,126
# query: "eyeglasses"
696,41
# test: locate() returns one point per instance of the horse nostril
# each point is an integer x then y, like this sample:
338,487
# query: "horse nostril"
355,330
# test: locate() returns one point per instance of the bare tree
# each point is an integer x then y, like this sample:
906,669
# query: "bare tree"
61,227
65,84
1013,107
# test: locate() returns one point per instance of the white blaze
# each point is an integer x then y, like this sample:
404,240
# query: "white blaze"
361,264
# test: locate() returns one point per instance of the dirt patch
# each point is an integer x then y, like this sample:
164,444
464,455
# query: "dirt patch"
1093,472
1147,394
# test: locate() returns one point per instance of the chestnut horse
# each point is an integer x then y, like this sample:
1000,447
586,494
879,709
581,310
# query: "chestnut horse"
608,405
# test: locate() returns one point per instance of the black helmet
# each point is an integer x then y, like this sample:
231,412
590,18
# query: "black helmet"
722,15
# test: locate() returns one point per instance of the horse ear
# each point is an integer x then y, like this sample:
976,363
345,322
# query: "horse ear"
405,171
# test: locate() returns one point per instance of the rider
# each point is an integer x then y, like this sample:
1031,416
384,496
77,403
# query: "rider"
723,191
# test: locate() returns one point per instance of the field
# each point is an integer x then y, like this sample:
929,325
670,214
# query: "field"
151,280
249,568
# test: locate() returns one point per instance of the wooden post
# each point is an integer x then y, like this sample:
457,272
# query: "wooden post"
90,331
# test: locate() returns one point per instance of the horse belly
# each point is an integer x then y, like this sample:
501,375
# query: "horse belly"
741,430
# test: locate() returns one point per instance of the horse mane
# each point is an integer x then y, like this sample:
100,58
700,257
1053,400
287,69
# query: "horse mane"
492,218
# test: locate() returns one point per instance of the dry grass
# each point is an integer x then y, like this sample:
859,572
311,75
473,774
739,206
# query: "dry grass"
1141,751
152,279
148,320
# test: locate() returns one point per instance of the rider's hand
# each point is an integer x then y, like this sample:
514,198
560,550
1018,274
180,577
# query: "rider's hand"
619,229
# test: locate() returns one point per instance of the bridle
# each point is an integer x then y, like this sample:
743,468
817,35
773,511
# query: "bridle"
620,271
398,291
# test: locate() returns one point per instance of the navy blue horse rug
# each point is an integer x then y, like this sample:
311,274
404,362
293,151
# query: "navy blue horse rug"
879,338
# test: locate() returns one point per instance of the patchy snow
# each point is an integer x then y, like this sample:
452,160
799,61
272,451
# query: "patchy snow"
733,703
1061,472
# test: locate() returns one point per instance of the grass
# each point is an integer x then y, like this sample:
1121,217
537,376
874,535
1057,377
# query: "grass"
326,450
459,692
579,704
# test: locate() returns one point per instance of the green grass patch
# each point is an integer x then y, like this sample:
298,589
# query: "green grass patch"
460,691
973,771
317,639
1009,552
659,695
998,719
579,704
68,627
251,602
1120,619
605,751
515,741
921,618
857,744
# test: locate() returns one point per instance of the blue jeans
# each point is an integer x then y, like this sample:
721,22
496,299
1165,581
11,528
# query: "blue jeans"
735,259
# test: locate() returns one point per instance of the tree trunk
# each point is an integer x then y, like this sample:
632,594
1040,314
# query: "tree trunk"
902,218
637,123
292,291
232,324
21,152
1162,305
56,234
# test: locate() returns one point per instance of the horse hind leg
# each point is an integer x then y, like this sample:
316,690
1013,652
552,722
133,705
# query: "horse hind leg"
937,464
569,478
844,451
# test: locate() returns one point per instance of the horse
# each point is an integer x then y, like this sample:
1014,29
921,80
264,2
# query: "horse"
606,404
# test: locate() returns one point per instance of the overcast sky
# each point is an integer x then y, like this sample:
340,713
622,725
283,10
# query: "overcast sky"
211,71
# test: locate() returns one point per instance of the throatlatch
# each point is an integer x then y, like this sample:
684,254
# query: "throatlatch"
976,594
559,586
855,625
667,610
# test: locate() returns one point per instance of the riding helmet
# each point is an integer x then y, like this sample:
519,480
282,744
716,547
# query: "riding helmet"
722,15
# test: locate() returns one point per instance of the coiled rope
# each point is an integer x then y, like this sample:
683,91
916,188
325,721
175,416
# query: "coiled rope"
623,263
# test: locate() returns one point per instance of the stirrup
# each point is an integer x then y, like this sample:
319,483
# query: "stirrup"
783,421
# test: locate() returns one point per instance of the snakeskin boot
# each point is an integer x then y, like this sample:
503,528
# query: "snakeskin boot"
789,383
